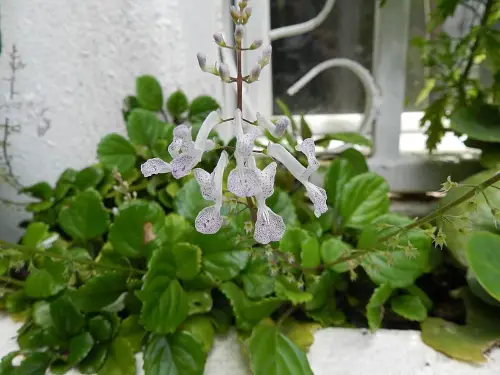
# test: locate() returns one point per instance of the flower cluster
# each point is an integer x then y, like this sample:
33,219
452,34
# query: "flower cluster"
246,180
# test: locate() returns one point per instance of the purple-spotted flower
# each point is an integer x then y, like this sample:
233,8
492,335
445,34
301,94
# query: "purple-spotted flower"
209,220
316,194
244,181
186,153
269,226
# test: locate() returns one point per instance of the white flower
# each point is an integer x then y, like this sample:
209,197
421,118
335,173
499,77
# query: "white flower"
209,220
244,180
308,148
186,153
269,226
316,194
277,130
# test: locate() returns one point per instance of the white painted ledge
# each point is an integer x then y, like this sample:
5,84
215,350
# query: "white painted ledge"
335,351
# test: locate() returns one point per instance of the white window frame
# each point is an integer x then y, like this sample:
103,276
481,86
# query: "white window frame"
398,152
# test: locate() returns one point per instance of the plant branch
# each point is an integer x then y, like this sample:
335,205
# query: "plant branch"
12,281
31,251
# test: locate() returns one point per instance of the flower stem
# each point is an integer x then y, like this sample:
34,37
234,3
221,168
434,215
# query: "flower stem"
10,280
31,251
239,103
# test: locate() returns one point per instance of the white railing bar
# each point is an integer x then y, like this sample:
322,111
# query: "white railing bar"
304,27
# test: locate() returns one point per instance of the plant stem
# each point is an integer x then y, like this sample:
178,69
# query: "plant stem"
12,281
31,251
239,103
285,315
474,47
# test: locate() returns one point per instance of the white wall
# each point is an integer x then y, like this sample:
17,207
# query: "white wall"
82,59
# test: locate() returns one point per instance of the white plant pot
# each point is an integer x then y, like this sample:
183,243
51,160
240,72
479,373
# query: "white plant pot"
335,351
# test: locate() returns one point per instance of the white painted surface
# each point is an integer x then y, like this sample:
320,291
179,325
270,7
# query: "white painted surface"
82,59
335,351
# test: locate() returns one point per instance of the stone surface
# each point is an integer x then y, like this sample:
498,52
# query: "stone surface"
335,351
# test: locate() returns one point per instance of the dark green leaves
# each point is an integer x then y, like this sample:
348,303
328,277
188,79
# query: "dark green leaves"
100,291
79,348
478,122
187,259
42,284
364,198
66,317
116,151
144,128
177,354
127,232
149,93
177,104
84,217
120,359
272,353
201,107
483,255
375,306
409,307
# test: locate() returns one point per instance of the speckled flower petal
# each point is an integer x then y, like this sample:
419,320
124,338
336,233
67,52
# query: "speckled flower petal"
244,146
267,177
182,141
269,227
184,163
308,148
244,182
317,196
210,122
207,184
155,166
277,130
209,220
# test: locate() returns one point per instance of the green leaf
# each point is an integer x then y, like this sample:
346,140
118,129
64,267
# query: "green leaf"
66,317
310,253
305,130
322,288
364,198
89,177
281,203
40,190
127,232
84,216
491,41
292,240
409,307
144,128
349,137
290,291
332,251
401,269
79,347
100,328
187,260
177,354
248,312
95,359
100,291
34,363
165,303
478,122
301,333
201,328
41,284
338,174
272,353
199,302
149,93
424,298
116,151
35,233
201,107
483,255
120,359
478,219
177,104
224,256
132,331
430,83
375,306
356,158
257,282
177,229
189,201
64,183
41,314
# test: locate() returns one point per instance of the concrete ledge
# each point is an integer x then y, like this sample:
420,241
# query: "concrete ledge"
335,351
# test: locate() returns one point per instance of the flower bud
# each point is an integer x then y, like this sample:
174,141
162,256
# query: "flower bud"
239,32
248,12
219,39
254,73
224,72
235,13
202,61
256,44
266,56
